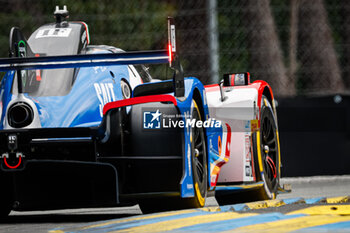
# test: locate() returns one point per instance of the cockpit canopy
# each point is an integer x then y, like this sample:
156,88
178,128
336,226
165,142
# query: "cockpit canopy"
60,39
64,38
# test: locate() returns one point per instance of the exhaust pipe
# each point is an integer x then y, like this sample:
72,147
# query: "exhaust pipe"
20,115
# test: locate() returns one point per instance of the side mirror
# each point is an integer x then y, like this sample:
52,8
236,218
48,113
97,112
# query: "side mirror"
239,79
18,44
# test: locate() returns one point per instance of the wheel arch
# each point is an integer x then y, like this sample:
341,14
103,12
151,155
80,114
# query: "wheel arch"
265,89
198,98
267,93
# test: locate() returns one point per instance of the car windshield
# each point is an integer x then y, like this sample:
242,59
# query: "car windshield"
55,82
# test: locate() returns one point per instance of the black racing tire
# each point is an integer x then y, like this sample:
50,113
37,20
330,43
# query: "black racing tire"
266,150
199,163
267,132
199,171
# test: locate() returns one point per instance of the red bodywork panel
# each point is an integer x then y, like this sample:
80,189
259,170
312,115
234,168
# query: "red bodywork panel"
139,100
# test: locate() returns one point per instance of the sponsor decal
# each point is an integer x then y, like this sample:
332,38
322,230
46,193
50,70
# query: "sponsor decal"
213,179
254,125
105,94
248,171
53,32
189,159
172,38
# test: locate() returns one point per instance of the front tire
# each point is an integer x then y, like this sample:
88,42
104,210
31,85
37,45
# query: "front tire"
266,161
266,152
199,162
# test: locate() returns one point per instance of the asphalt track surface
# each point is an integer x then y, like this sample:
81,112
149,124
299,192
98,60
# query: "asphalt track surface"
334,213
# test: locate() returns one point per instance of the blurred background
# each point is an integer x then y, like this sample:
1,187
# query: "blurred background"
298,46
301,47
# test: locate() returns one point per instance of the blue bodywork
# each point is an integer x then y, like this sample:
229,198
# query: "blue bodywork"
93,88
81,107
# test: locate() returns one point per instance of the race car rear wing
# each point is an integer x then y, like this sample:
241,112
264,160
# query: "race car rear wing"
84,60
88,60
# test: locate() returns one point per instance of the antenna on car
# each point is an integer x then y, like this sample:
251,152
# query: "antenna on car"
61,14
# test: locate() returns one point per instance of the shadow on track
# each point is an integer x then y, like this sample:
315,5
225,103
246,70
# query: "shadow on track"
61,218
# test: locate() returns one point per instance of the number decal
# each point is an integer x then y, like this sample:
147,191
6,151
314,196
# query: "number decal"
54,32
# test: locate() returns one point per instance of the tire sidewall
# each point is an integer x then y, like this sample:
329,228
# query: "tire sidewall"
200,195
269,189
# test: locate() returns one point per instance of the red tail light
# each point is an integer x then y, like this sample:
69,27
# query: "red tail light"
170,53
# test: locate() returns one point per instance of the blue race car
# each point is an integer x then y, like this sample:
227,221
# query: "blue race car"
87,126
